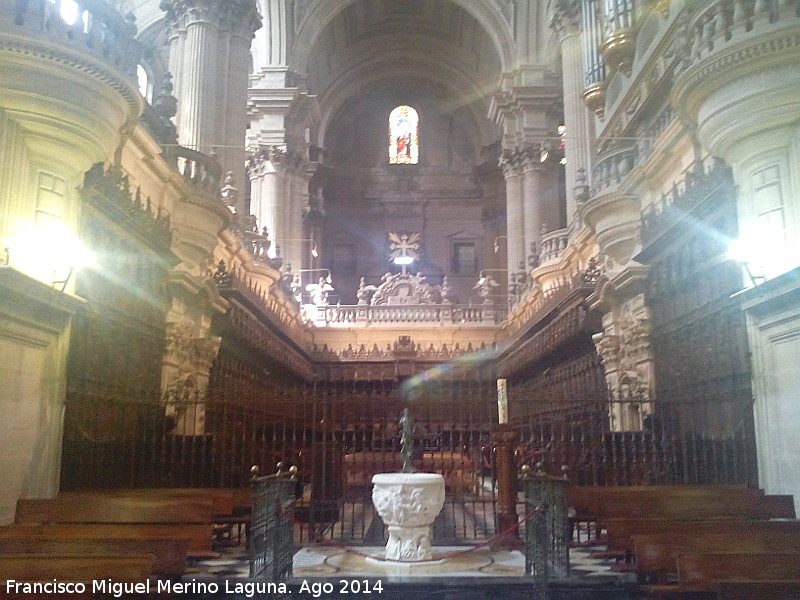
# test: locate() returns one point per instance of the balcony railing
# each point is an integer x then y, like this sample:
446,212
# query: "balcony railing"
613,166
552,245
421,315
95,28
727,21
200,170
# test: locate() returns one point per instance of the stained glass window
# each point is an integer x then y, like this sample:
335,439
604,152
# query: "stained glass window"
403,136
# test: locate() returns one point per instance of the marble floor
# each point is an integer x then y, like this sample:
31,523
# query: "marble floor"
455,562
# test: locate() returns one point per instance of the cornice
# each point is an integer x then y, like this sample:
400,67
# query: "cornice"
76,62
753,55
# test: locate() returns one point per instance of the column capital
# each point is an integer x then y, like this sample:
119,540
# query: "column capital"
234,16
511,161
265,160
565,17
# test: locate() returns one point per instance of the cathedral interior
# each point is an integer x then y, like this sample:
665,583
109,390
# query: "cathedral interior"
246,232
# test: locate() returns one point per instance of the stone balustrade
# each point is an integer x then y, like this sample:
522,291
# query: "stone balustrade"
723,22
95,28
200,170
552,245
420,314
612,166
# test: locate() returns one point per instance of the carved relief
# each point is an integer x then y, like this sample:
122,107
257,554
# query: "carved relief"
625,349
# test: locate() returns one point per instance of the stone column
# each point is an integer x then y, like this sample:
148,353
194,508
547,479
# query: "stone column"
209,56
566,22
267,190
514,212
540,191
239,23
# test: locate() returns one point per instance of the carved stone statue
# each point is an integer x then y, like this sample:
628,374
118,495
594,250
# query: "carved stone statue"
485,286
319,292
365,292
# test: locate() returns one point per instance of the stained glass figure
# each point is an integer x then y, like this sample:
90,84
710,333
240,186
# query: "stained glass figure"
403,136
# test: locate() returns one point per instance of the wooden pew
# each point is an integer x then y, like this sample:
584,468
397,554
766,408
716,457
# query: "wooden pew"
590,499
230,506
169,555
197,534
758,590
223,500
655,554
703,573
620,532
700,572
85,569
594,505
100,508
683,502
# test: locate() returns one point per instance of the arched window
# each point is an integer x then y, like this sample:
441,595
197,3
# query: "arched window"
403,136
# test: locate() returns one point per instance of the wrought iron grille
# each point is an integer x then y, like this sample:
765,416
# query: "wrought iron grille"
690,442
537,548
338,433
542,490
272,526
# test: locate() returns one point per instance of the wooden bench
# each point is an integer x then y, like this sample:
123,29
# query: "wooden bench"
656,554
620,532
703,573
100,508
677,502
230,506
169,555
758,590
223,500
700,572
594,505
126,568
198,536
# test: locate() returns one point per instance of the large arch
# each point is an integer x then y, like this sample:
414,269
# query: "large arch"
321,13
464,91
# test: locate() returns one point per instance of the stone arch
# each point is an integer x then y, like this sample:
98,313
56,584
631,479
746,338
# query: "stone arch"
342,91
320,14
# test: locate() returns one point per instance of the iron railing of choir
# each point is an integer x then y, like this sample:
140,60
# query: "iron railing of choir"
547,532
537,559
271,530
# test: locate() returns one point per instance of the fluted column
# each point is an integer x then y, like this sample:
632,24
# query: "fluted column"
209,56
514,212
239,24
566,22
266,191
540,206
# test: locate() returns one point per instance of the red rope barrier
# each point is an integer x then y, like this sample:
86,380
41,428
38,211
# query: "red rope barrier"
329,542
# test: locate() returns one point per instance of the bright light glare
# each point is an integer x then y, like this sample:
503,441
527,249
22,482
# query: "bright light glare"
765,255
738,251
49,252
403,260
69,11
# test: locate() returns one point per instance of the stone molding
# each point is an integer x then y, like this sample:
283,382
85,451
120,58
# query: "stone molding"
75,62
709,73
